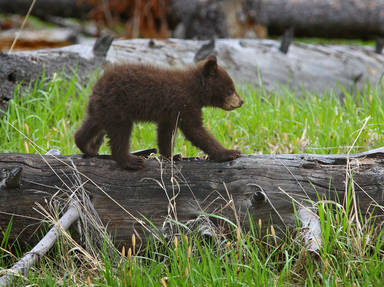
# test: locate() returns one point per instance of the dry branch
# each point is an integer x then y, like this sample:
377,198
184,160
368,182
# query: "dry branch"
22,266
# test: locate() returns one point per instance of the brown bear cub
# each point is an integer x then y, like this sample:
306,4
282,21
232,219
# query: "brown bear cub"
132,92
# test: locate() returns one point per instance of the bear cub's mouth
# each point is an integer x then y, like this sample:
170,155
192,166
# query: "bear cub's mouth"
233,102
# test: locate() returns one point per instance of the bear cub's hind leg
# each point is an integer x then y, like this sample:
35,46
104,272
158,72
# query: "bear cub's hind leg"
89,137
119,136
164,139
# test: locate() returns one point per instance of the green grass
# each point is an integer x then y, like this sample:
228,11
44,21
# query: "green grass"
336,41
269,122
349,257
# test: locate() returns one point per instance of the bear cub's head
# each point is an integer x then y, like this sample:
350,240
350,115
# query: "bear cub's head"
218,85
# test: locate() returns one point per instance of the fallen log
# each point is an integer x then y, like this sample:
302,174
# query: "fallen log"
320,18
37,39
63,8
257,18
22,68
266,187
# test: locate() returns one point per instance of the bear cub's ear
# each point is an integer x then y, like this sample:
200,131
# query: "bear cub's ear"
210,65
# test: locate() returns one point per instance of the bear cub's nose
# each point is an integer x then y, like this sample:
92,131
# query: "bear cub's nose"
241,102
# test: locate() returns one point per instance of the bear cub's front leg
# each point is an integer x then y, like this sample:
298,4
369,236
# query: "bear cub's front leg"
225,155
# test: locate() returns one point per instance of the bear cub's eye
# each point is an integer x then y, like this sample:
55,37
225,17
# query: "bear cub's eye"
231,91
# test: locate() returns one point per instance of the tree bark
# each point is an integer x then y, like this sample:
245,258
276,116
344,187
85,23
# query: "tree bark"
264,186
309,18
42,8
325,18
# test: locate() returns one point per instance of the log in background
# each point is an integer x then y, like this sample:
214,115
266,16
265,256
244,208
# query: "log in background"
217,18
144,193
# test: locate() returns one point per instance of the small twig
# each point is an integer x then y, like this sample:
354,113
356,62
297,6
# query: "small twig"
379,45
348,174
22,26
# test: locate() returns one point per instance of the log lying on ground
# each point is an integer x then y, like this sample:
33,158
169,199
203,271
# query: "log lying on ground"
320,18
309,18
37,39
24,67
264,186
313,67
63,8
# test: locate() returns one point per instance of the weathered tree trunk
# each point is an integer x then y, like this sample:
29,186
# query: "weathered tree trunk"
42,8
309,18
265,186
325,18
313,67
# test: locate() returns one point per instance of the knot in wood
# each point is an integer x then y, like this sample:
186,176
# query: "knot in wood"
10,178
257,197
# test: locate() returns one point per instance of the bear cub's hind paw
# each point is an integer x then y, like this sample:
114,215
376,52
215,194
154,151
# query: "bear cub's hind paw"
226,155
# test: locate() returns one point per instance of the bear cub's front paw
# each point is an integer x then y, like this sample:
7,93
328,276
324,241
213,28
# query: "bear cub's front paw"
225,155
133,163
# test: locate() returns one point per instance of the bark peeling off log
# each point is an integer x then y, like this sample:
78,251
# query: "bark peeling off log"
279,178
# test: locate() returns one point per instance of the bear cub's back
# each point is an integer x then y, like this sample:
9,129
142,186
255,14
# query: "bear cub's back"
142,92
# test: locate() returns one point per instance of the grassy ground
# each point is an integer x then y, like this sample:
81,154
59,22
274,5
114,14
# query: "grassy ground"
280,122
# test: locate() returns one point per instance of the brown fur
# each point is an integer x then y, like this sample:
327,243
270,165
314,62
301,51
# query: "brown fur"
129,93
